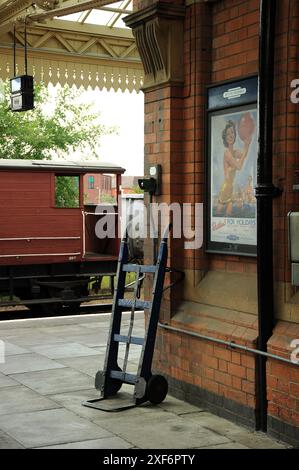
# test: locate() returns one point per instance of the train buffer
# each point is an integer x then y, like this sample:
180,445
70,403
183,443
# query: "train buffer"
147,386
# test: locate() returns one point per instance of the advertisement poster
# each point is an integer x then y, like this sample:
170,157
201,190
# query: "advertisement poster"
233,177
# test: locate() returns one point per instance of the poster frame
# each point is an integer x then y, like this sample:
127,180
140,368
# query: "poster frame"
242,104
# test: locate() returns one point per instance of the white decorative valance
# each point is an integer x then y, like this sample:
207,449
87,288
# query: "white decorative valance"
69,53
87,75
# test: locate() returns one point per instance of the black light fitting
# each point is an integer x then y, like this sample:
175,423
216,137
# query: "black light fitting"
21,87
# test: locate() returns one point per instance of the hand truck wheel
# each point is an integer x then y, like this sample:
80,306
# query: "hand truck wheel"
156,389
109,386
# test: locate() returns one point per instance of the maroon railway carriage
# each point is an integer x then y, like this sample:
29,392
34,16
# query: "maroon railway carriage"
48,244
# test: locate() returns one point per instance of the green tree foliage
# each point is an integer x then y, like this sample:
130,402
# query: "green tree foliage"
137,190
67,191
108,199
56,127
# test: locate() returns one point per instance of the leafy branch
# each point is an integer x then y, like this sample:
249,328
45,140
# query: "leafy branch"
57,126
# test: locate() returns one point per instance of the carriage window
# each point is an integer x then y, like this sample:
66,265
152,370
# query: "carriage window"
100,188
67,191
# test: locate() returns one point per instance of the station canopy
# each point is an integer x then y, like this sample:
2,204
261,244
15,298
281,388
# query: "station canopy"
74,42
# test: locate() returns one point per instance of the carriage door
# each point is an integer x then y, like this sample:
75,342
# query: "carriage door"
100,200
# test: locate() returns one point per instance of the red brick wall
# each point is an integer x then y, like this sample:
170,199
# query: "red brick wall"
213,367
104,185
163,119
175,128
235,43
221,42
283,379
235,39
286,158
174,136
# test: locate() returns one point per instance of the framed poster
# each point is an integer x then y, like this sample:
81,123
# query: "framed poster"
232,166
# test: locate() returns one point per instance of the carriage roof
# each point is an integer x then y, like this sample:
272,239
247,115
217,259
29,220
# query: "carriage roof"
61,166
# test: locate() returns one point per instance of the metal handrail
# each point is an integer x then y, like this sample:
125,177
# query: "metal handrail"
38,238
28,255
101,213
231,344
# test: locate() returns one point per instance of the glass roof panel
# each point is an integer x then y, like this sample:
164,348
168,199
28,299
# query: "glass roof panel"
98,17
116,4
110,15
72,17
120,22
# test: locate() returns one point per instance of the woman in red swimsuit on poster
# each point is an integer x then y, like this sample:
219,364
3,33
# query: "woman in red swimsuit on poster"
233,159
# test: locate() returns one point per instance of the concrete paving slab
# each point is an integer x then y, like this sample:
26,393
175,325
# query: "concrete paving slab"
11,324
73,401
62,330
256,440
34,339
55,321
20,399
7,442
70,320
32,323
13,350
179,407
7,381
94,324
89,340
212,422
102,318
172,424
55,381
63,350
105,443
235,433
139,416
88,364
161,430
14,330
231,445
49,427
99,349
27,363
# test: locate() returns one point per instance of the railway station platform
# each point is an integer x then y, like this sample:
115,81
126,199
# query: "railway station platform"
49,370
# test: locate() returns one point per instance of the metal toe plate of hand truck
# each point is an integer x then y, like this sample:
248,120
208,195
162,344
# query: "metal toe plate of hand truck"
119,402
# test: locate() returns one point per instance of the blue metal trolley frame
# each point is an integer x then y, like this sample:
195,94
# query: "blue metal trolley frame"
147,386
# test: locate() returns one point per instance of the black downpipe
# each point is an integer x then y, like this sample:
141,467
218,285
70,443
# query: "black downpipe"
153,228
265,192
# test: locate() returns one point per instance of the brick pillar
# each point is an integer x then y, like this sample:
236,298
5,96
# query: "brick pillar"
283,379
158,29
